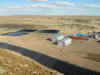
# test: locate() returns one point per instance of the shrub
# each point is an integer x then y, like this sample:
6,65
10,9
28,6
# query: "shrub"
83,20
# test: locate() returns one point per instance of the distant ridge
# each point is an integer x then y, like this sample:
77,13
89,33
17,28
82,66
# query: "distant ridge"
54,15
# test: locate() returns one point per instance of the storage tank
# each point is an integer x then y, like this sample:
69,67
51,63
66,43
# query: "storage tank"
97,37
56,37
64,42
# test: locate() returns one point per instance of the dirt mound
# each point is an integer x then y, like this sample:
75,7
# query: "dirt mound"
12,63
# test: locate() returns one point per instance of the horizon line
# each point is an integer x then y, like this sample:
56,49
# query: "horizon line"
49,15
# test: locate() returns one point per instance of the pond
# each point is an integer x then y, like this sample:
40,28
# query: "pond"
80,35
27,30
14,34
49,31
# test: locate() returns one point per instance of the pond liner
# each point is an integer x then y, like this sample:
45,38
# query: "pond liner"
27,30
49,31
79,36
14,34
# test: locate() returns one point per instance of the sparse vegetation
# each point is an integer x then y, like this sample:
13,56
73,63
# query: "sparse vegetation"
83,20
47,21
17,64
37,42
77,26
94,57
98,23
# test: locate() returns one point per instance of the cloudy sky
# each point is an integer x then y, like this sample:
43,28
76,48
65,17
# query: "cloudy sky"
50,7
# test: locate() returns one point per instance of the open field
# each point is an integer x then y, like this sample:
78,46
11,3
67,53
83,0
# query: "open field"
72,54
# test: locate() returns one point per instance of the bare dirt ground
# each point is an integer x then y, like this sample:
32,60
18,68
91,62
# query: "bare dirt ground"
73,54
12,63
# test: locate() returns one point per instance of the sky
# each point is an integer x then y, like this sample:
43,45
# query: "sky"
50,7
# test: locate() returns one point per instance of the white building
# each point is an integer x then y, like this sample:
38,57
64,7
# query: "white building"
56,37
64,42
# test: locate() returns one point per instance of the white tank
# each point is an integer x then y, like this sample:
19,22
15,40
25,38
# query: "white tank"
64,42
97,37
56,37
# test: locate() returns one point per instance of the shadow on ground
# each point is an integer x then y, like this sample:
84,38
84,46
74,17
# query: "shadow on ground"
50,62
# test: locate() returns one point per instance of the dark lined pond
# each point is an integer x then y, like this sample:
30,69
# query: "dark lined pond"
49,31
27,30
14,34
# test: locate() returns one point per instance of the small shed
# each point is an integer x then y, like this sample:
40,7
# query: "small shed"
64,42
56,37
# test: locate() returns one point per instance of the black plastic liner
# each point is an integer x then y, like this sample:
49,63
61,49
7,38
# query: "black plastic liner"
14,34
61,66
49,31
27,30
